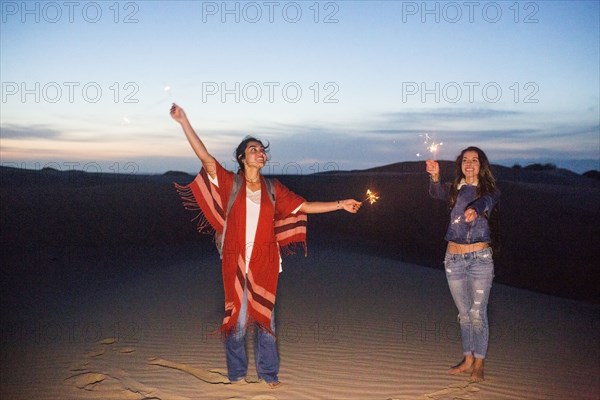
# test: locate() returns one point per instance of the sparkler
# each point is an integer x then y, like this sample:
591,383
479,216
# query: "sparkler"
167,89
430,144
372,197
132,120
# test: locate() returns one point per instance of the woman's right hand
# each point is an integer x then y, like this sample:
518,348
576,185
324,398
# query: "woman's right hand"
177,113
433,168
208,162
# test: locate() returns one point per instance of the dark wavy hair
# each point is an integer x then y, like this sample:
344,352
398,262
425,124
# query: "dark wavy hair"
240,151
487,182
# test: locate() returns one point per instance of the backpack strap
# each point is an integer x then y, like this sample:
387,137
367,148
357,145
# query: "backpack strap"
237,184
271,189
235,188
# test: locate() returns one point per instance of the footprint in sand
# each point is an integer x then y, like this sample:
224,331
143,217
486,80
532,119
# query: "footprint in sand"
87,380
223,372
116,383
113,383
210,376
98,353
108,341
80,367
126,350
455,390
95,353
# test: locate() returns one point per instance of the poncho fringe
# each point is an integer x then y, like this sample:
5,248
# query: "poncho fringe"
189,203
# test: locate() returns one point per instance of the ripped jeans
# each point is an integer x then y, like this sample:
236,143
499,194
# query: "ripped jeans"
470,278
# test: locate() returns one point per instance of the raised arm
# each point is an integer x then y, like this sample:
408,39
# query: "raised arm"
208,161
317,207
437,190
433,169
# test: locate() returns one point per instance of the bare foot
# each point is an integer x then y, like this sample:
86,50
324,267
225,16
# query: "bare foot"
477,374
462,366
274,385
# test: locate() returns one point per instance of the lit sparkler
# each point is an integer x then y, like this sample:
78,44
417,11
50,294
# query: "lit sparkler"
372,197
167,89
431,145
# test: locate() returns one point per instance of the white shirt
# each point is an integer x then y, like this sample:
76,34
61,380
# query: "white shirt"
252,214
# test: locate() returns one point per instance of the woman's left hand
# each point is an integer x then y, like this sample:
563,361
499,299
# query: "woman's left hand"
470,215
350,205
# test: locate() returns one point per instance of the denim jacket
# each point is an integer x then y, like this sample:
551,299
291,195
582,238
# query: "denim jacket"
460,231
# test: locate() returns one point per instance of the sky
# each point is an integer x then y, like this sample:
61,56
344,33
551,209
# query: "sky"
330,85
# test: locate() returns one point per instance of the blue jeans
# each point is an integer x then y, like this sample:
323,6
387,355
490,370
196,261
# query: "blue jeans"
265,349
470,278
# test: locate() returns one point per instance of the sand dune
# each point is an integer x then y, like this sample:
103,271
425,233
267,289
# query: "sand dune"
351,326
548,219
109,293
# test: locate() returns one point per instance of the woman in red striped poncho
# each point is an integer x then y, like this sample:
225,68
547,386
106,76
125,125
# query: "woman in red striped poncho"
256,228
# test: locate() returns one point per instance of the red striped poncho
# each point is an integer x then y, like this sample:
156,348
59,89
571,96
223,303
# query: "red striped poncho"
277,227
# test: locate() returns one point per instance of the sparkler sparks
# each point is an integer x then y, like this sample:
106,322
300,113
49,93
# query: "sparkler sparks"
167,89
430,144
372,197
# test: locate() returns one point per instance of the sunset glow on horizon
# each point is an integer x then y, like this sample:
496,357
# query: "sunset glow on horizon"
352,85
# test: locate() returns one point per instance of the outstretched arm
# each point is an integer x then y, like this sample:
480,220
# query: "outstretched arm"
317,207
208,161
481,206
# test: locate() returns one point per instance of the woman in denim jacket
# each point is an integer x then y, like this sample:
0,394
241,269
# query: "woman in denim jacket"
468,261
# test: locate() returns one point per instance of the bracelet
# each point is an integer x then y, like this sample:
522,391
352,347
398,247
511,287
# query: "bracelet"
338,205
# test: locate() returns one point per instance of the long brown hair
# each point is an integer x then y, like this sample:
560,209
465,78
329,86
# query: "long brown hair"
487,182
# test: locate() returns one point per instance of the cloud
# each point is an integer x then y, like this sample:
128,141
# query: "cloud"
379,142
317,146
12,131
579,130
445,114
